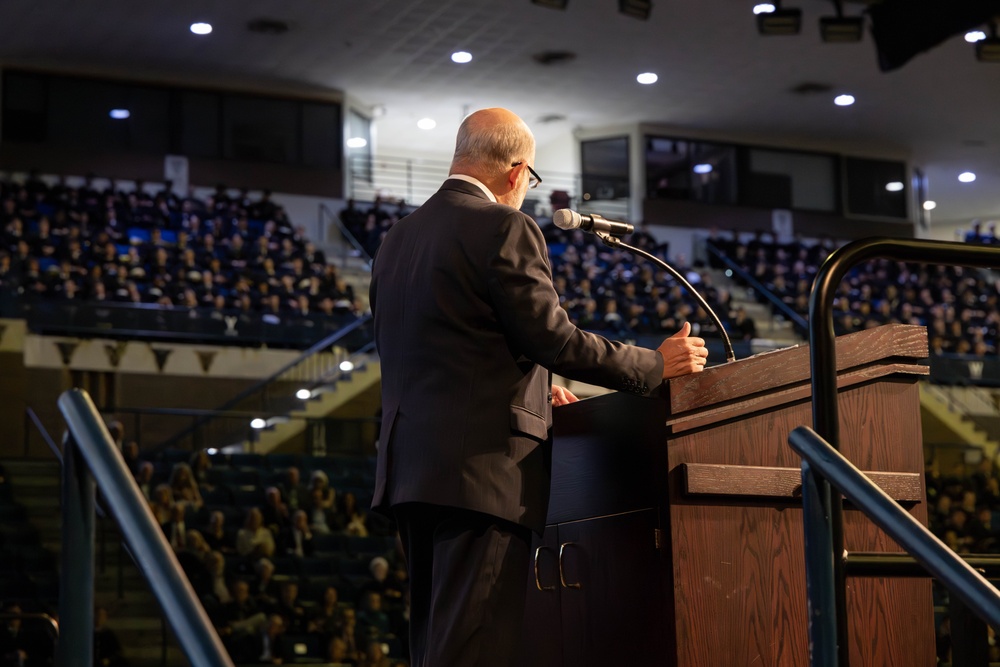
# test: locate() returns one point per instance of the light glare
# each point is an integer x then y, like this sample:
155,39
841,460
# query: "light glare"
703,169
461,57
201,28
357,142
966,177
894,186
843,100
930,205
346,366
647,78
119,114
303,394
763,8
974,36
257,423
426,123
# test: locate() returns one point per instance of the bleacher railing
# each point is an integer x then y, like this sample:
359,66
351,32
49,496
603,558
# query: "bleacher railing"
414,180
90,462
823,467
319,369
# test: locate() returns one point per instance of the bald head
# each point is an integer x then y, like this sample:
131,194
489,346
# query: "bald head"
496,147
490,141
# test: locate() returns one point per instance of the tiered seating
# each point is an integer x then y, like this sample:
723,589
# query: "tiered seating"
235,486
227,255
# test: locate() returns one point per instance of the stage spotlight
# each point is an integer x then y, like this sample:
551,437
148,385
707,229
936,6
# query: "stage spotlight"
551,4
988,50
638,9
841,29
780,21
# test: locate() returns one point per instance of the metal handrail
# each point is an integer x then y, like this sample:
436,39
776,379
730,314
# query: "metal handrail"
89,450
261,387
53,447
800,322
355,243
823,367
963,580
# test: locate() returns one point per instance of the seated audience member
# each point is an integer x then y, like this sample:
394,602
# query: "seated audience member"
293,492
162,503
275,511
338,653
176,528
290,608
200,464
322,519
354,521
373,623
239,620
185,487
297,538
107,648
144,478
328,618
381,582
254,540
20,644
217,536
327,498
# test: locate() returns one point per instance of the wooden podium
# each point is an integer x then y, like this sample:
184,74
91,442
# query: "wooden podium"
674,530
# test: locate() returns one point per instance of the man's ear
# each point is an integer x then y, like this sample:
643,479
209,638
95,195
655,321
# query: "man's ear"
513,175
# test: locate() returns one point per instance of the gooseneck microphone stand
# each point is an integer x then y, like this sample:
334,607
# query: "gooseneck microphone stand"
615,242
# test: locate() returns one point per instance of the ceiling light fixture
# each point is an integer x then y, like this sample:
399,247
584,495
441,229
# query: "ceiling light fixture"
844,100
257,423
894,186
461,57
974,36
426,123
201,28
780,21
346,366
763,8
841,29
119,114
930,205
357,142
704,168
967,177
637,9
303,394
647,78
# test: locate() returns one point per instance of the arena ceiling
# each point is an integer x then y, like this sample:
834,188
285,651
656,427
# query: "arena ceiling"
716,73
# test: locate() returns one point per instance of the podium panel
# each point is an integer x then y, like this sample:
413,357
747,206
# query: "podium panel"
710,470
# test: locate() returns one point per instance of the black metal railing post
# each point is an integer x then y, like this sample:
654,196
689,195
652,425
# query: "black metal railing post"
76,561
823,363
820,585
969,645
961,579
146,541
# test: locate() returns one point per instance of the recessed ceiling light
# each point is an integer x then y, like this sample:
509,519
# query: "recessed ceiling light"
426,123
257,423
119,114
357,142
966,177
763,8
647,78
346,366
894,186
703,169
461,57
201,28
303,394
843,100
975,36
930,205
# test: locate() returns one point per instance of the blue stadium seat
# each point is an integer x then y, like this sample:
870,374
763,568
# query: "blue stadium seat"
138,235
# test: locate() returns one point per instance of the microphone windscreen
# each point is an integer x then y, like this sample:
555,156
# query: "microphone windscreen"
566,219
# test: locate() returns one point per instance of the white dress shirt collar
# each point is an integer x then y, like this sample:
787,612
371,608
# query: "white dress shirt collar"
477,183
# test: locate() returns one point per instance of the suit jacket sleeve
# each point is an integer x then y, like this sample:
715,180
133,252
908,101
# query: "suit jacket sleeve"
520,284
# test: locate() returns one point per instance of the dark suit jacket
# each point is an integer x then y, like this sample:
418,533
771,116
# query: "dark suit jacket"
467,322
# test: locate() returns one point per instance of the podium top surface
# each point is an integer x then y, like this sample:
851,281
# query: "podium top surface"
769,371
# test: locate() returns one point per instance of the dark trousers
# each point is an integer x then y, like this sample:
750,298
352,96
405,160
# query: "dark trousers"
468,573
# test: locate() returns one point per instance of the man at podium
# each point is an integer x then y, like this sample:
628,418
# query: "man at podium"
468,327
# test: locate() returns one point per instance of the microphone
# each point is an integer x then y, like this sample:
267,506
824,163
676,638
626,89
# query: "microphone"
567,219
